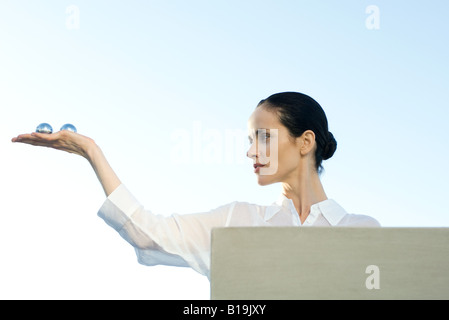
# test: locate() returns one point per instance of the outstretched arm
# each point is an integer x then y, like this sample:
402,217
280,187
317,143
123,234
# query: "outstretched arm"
178,240
78,144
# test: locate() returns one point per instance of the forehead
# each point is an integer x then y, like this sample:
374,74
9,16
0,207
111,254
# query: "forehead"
263,118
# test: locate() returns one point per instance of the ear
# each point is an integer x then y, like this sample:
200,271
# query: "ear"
307,142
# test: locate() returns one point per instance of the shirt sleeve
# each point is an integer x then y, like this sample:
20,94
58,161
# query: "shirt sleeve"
176,240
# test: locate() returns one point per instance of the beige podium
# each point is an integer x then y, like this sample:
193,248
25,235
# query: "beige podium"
291,263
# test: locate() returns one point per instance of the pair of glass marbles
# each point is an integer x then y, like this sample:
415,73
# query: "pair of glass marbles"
46,128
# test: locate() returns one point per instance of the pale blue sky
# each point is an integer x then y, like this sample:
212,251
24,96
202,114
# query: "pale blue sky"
137,73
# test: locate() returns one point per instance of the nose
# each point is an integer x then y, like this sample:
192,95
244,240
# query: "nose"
252,152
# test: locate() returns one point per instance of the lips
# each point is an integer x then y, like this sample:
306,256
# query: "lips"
257,167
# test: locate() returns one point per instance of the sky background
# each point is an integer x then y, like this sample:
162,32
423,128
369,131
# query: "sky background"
165,88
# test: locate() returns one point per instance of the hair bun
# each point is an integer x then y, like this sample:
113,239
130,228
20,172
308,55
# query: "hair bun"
330,147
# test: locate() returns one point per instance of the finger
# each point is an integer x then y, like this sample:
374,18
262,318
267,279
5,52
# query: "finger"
45,136
21,137
33,142
35,138
58,140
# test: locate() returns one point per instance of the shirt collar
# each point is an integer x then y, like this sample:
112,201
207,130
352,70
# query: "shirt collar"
329,208
275,207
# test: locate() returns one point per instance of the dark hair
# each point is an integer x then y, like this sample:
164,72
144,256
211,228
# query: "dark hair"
299,112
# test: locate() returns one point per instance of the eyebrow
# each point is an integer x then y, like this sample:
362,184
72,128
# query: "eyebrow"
258,130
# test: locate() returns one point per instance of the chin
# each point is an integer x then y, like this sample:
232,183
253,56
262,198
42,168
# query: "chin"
265,180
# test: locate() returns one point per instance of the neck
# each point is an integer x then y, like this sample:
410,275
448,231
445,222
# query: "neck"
305,190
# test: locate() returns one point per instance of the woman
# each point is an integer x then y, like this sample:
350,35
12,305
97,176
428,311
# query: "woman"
289,139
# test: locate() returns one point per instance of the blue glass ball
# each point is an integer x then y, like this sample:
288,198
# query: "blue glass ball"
44,128
69,127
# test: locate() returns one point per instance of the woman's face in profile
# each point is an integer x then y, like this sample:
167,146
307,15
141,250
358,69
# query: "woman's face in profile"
275,154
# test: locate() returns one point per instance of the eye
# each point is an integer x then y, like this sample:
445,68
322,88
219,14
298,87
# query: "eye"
263,135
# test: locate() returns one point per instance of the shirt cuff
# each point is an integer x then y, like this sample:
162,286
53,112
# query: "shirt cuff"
118,207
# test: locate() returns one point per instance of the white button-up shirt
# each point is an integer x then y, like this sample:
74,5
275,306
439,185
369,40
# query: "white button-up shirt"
185,240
